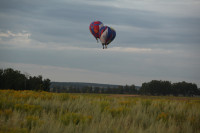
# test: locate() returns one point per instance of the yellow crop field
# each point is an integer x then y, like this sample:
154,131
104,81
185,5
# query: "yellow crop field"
45,112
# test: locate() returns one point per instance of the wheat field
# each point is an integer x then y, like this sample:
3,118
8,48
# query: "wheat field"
45,112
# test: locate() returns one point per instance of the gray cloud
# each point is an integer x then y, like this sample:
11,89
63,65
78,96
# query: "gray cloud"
60,37
60,21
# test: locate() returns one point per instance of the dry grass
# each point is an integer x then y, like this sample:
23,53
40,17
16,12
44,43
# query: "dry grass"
39,112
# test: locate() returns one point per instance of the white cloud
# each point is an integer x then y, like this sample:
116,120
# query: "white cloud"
22,34
9,38
23,40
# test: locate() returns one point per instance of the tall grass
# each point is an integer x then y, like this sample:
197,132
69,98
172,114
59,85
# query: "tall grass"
39,112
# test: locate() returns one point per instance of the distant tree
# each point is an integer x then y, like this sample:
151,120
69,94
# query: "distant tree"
144,89
129,89
198,91
156,87
14,79
35,83
184,88
46,84
120,89
133,89
1,79
96,90
126,89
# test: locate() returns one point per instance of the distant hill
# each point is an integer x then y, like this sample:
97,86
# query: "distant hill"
81,84
80,87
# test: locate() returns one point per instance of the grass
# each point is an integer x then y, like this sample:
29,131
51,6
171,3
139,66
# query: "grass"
39,112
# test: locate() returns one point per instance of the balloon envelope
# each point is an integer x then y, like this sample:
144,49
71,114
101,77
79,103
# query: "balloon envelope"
95,27
107,35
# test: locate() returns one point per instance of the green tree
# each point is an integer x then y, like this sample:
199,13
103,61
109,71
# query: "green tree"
156,87
46,84
1,79
14,79
184,88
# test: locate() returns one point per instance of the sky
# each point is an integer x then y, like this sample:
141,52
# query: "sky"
155,40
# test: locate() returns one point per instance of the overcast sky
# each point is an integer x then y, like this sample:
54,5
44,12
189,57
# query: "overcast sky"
155,40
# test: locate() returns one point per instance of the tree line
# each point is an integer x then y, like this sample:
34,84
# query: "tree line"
154,87
159,87
90,89
14,79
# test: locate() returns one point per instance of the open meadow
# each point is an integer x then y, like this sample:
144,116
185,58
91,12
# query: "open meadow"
45,112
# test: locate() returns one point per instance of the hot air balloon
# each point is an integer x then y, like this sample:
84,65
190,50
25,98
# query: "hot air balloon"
107,35
95,27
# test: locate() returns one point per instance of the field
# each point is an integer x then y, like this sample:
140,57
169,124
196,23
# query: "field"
43,112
